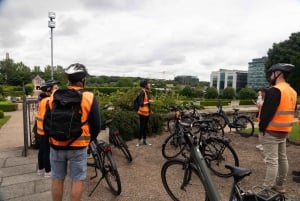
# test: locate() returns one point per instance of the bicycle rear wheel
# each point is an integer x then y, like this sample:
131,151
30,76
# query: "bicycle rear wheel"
173,146
244,126
218,152
181,181
220,118
111,173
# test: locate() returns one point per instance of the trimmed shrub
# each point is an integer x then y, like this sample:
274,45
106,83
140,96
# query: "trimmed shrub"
8,106
1,114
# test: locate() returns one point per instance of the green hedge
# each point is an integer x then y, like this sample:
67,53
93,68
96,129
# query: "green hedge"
7,106
127,122
1,114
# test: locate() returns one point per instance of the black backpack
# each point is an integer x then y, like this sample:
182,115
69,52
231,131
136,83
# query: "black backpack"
136,104
63,121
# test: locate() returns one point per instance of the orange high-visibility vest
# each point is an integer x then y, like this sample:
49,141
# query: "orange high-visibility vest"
285,114
41,110
144,110
86,104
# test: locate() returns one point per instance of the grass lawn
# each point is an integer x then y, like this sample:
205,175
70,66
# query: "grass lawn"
4,120
294,134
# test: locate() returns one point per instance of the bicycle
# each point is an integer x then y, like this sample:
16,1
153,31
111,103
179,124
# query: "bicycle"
103,161
116,139
242,123
189,178
216,150
207,125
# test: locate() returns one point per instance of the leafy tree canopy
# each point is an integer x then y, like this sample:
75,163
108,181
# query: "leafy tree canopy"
287,51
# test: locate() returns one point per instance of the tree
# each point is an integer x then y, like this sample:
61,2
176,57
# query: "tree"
247,93
287,51
211,93
228,93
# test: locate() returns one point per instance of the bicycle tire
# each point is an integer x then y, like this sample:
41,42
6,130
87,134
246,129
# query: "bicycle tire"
182,181
173,145
111,173
208,127
218,152
220,118
245,126
124,147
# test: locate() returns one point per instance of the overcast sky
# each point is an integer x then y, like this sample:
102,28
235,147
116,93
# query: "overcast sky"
146,38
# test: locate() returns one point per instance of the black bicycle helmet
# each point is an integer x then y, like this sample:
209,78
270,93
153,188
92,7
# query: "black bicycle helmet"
286,68
47,86
76,72
144,83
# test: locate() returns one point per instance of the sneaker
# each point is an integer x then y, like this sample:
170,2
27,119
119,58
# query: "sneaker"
296,179
296,173
47,174
279,189
139,143
40,171
146,143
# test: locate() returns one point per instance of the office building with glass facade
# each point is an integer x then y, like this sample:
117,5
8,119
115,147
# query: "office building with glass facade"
256,74
223,78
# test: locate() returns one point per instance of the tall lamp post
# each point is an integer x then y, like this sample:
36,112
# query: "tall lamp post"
51,25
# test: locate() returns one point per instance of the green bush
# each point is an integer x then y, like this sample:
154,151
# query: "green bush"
1,114
127,122
7,106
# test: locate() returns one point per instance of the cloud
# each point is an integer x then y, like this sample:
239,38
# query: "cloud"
146,37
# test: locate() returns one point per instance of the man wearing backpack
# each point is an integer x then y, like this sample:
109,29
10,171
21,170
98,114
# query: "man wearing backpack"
74,151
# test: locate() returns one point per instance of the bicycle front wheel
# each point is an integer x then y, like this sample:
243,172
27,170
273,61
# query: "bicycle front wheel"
173,146
111,174
217,153
181,181
244,126
124,147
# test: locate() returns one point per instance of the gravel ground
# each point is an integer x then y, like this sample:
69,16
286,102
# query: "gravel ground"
141,178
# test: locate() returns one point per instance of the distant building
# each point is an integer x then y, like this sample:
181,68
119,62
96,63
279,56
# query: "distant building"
223,78
37,81
256,73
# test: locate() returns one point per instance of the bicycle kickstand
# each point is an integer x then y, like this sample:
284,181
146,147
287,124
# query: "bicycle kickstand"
96,184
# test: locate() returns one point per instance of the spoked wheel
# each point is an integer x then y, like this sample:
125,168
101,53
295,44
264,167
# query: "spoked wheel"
219,118
181,181
124,148
173,146
217,152
111,174
244,126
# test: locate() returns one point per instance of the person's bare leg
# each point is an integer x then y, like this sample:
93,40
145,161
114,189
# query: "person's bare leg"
77,190
57,189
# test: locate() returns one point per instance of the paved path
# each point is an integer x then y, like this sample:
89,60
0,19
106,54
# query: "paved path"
19,181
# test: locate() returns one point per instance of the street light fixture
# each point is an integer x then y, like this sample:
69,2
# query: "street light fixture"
51,25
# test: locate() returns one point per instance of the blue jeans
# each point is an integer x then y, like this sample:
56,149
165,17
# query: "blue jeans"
77,161
276,160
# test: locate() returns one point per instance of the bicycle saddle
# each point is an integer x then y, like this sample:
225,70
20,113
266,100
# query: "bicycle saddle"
238,173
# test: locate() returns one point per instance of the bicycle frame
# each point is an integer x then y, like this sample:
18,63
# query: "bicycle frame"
203,170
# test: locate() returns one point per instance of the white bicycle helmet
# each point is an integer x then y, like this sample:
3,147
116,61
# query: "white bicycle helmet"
76,72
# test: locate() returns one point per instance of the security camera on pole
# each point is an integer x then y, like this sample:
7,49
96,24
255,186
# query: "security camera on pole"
51,25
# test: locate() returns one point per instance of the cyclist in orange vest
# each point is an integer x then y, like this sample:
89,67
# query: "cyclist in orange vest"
276,119
74,156
144,111
44,148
